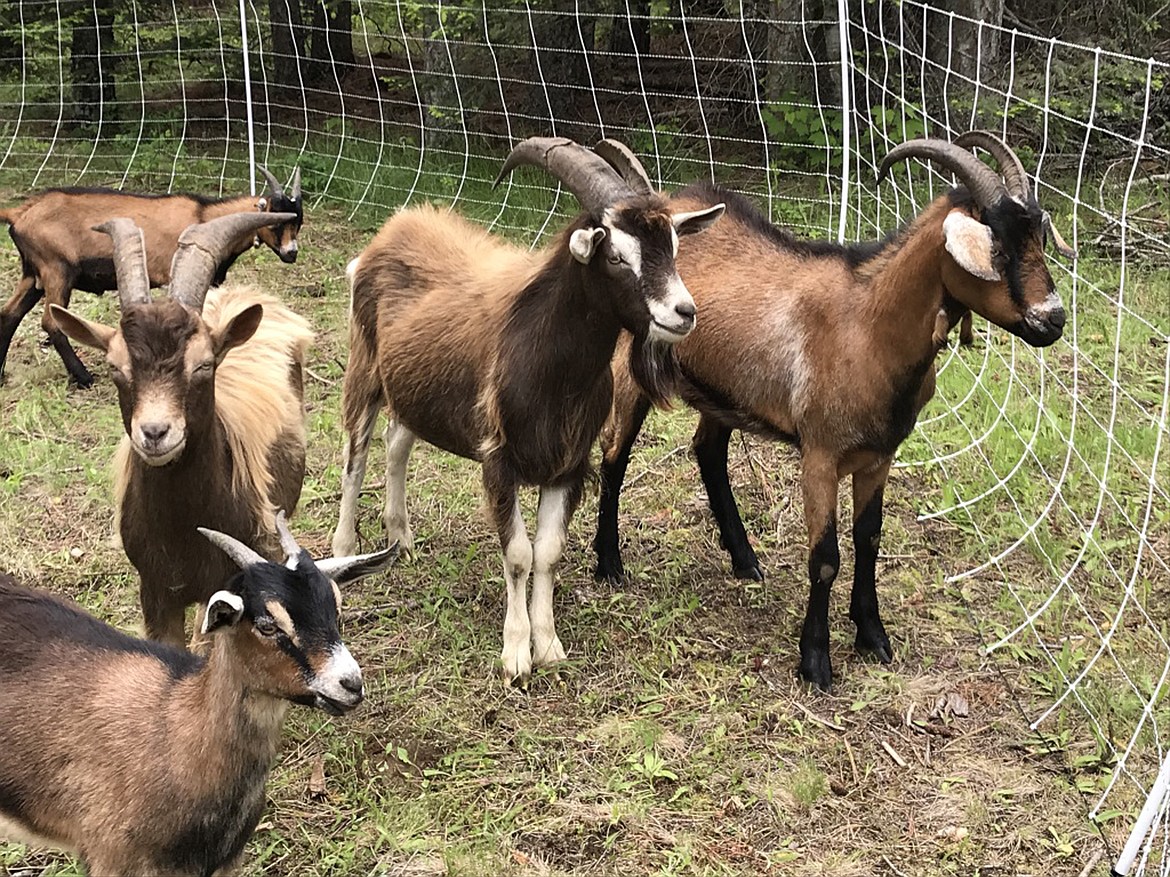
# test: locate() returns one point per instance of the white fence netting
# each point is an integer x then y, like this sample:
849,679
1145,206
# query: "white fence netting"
1052,463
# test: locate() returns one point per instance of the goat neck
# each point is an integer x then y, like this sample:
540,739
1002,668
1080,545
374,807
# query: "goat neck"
906,292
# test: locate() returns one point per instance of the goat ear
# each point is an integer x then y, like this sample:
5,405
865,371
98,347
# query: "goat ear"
583,243
239,329
349,569
971,244
224,609
696,220
82,330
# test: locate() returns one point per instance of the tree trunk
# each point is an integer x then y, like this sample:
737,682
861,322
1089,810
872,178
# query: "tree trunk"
562,64
288,43
636,22
331,46
968,55
91,63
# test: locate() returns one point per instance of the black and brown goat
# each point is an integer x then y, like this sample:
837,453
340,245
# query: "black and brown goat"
146,759
502,355
832,349
210,387
60,251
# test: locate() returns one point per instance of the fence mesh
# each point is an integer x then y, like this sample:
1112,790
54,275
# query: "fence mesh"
1051,463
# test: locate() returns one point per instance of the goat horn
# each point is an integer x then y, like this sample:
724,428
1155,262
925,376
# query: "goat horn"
1009,163
296,184
288,542
273,183
985,185
1058,240
233,548
203,248
622,159
129,260
583,172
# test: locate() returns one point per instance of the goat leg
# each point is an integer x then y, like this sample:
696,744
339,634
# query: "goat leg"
504,511
58,293
22,301
868,489
966,333
616,443
556,508
819,481
710,446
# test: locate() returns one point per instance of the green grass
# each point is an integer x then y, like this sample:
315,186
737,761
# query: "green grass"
676,740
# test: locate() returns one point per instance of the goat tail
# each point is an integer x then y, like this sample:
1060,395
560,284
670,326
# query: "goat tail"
9,216
655,368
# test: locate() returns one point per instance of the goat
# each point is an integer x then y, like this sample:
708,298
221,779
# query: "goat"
831,348
146,759
210,387
501,355
60,251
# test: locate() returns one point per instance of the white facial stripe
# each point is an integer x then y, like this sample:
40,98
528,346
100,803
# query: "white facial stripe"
340,665
283,621
668,323
628,247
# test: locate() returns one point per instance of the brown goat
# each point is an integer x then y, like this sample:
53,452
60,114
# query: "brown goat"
832,349
146,759
60,251
502,355
211,400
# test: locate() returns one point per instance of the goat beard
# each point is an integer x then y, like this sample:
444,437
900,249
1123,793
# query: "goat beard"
654,365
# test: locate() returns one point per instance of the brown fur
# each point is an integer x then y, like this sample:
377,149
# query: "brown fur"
60,251
829,348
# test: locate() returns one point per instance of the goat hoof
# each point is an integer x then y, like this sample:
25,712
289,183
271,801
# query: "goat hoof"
817,670
611,573
82,382
752,573
872,639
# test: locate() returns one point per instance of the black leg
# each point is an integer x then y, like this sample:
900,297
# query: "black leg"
710,444
614,461
22,301
868,490
823,562
78,373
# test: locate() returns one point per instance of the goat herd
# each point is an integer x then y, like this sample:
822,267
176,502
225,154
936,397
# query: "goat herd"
517,359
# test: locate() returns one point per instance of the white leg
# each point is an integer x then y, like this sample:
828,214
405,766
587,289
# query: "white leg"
517,652
353,467
551,531
399,441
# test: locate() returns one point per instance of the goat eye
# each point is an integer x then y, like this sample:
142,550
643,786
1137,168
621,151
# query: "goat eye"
615,260
205,367
265,626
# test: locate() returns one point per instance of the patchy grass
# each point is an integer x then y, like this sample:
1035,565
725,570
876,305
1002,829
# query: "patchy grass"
676,740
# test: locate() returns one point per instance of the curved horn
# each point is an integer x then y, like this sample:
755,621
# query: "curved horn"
296,185
233,548
288,543
583,172
203,248
1009,163
129,260
273,183
985,185
622,159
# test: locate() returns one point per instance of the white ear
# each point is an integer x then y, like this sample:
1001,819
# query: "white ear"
583,243
223,609
970,243
696,220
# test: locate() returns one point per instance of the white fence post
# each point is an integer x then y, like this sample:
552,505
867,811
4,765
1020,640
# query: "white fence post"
846,112
248,100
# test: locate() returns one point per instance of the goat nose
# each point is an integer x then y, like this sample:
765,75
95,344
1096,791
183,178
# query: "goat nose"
685,309
154,432
352,683
1057,317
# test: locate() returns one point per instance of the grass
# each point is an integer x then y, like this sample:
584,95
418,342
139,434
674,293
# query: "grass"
676,740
